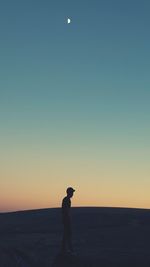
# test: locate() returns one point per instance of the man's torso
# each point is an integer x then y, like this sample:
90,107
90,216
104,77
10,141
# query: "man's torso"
66,204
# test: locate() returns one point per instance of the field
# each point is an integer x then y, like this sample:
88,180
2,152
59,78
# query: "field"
102,237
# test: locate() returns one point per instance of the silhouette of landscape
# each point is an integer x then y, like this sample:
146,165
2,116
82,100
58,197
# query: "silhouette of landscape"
102,237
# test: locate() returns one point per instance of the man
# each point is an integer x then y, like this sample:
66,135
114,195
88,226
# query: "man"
67,235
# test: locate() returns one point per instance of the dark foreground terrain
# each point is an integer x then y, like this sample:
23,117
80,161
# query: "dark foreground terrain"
103,237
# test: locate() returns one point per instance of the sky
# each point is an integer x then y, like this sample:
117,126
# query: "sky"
74,103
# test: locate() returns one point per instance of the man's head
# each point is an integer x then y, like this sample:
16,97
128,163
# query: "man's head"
70,191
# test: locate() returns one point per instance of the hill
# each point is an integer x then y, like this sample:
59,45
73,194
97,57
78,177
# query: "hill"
106,237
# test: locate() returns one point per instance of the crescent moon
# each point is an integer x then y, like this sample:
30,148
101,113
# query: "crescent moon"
68,21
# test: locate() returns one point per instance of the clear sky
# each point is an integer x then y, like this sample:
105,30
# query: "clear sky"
74,103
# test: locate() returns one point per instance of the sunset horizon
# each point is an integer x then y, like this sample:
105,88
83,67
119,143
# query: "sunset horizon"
74,104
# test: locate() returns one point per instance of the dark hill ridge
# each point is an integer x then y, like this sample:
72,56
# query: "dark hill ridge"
102,237
43,220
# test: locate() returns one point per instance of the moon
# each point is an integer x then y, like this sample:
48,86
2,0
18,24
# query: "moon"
68,21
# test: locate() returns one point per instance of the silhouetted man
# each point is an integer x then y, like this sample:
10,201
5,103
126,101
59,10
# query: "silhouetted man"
67,233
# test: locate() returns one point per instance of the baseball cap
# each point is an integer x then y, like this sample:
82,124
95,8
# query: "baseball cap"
70,189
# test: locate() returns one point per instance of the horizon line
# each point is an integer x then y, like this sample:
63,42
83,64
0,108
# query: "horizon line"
59,207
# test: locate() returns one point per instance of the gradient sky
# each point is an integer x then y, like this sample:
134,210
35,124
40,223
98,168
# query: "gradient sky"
74,103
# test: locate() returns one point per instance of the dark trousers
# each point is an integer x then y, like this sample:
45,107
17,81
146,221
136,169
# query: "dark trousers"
67,237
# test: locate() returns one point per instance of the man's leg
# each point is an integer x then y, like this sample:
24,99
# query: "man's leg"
64,240
69,238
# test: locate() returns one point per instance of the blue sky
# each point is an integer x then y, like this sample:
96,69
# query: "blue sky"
79,91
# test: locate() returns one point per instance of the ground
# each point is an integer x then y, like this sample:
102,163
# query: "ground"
106,237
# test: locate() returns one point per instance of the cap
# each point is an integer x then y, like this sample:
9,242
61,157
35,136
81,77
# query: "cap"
70,189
